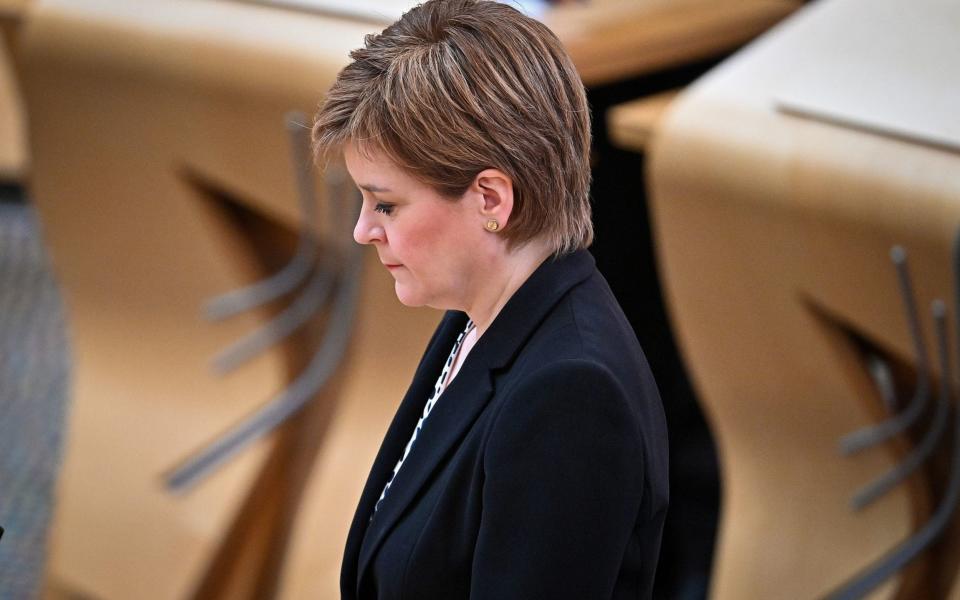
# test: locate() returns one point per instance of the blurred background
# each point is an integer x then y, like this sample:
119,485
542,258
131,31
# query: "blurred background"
197,365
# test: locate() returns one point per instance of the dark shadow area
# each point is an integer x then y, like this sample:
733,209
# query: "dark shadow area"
12,192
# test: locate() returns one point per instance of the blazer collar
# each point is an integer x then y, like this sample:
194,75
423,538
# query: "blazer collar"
459,407
522,314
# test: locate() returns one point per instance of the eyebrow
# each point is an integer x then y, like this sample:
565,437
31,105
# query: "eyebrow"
374,189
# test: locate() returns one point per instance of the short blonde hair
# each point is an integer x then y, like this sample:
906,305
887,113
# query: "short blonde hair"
458,86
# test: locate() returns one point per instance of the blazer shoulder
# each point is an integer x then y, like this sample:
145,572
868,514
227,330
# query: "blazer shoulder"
582,370
566,388
566,395
588,324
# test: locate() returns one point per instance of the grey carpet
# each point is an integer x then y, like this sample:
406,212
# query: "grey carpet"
34,373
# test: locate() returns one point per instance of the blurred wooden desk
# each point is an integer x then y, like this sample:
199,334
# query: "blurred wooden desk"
779,182
13,148
610,40
161,167
618,39
633,124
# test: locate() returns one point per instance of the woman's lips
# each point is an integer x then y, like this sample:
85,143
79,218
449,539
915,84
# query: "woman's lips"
392,267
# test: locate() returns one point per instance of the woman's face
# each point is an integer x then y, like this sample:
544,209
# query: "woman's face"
432,246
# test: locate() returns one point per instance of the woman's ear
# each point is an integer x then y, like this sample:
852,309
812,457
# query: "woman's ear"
495,190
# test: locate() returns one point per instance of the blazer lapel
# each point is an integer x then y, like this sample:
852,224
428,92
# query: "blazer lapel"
411,407
454,413
458,407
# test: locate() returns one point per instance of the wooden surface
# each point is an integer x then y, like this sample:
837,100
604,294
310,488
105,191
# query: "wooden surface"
611,40
13,9
132,109
875,89
13,143
773,233
615,40
13,148
12,14
632,124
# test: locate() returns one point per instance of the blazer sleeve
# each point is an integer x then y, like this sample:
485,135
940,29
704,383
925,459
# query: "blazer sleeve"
563,486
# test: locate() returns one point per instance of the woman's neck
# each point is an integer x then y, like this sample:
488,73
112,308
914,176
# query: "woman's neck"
504,278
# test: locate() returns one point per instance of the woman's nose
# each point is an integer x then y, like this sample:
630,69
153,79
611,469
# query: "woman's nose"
367,230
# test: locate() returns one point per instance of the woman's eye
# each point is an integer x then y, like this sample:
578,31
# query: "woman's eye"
382,208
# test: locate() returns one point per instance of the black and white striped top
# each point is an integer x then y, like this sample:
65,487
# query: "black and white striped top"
437,391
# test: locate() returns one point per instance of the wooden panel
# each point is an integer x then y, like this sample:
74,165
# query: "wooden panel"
773,234
633,124
616,40
610,40
13,145
874,86
131,105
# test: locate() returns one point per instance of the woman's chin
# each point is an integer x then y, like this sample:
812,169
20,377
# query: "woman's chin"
407,296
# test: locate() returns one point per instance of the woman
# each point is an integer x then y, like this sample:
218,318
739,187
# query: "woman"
528,457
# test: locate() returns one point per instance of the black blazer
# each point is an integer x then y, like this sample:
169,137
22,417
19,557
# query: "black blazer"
541,471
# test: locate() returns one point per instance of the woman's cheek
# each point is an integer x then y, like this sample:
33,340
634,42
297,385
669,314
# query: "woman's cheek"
421,238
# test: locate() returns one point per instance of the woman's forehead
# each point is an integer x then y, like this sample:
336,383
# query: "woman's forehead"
372,170
370,165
